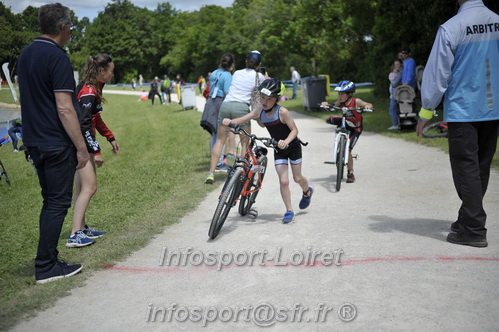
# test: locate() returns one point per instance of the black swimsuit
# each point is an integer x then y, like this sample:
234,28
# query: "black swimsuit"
280,131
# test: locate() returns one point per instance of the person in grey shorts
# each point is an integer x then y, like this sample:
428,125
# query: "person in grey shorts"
235,105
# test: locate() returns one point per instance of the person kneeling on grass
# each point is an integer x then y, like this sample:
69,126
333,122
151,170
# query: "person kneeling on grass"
281,127
353,121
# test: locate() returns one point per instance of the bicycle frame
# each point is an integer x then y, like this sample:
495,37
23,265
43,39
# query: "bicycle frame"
250,165
341,131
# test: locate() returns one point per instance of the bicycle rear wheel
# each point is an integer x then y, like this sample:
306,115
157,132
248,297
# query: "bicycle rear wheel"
256,180
435,130
226,201
340,161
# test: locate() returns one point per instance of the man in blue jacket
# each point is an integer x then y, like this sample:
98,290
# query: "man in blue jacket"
409,68
464,65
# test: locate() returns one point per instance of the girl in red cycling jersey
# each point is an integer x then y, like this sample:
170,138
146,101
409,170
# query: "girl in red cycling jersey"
98,71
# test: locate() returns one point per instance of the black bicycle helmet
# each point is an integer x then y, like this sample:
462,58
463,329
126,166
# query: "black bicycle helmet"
254,56
345,86
272,88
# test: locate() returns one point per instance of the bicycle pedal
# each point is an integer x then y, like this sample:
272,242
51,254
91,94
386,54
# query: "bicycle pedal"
355,156
329,162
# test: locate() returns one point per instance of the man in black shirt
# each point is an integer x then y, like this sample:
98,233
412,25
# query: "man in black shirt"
51,132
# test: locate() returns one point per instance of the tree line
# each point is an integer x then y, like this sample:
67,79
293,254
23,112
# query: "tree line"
346,39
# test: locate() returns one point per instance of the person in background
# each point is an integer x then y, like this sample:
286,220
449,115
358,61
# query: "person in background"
236,104
179,82
166,89
409,68
154,91
13,131
295,78
201,84
395,78
463,69
51,132
220,81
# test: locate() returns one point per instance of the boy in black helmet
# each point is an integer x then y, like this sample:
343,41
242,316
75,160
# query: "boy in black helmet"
281,127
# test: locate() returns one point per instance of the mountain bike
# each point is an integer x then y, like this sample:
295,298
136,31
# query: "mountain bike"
437,129
341,146
243,182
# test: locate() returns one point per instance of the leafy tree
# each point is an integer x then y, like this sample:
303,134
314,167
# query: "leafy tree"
198,47
124,31
16,31
348,39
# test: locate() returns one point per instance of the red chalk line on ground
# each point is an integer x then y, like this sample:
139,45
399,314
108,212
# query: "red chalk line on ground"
190,268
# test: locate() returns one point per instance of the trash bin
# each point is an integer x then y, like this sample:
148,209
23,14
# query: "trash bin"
188,97
313,92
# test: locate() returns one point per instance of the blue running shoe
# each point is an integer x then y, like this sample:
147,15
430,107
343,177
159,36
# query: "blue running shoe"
79,239
305,200
92,233
289,216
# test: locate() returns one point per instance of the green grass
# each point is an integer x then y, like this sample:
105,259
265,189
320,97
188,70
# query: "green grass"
6,95
155,181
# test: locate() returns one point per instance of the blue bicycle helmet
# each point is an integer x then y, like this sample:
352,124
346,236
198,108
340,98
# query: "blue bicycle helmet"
345,86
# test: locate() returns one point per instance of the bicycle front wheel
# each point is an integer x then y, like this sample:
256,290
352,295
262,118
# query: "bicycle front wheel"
256,181
435,130
226,201
340,161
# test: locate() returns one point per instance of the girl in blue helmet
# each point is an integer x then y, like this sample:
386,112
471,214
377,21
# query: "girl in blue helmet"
354,119
281,127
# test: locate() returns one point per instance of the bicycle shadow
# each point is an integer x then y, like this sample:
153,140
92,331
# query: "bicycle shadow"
433,228
328,183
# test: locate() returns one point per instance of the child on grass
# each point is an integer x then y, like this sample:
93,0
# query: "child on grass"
354,119
281,127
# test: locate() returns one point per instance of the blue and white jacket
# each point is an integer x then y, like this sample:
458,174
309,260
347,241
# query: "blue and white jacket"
464,65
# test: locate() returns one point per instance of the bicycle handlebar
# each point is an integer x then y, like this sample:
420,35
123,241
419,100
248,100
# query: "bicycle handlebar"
267,141
333,108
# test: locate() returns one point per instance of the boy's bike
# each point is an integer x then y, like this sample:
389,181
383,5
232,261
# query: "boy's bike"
243,182
437,129
341,145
